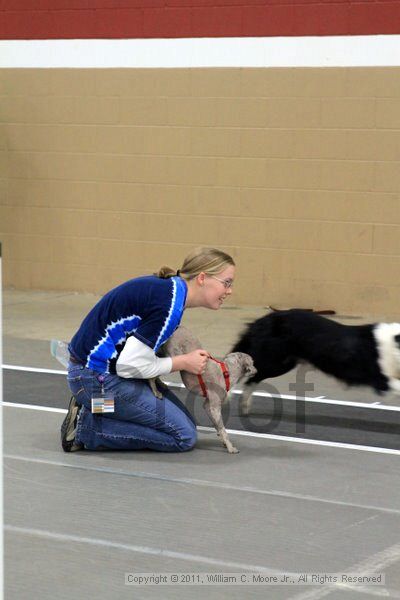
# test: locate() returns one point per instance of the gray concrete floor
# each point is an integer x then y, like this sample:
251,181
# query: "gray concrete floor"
76,523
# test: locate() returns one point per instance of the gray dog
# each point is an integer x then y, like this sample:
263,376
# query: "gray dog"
214,387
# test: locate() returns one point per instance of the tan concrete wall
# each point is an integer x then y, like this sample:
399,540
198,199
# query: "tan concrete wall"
107,174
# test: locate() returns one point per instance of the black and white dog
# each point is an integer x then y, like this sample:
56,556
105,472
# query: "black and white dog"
355,354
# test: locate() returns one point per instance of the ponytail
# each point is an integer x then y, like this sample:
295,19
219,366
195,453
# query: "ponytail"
165,273
208,260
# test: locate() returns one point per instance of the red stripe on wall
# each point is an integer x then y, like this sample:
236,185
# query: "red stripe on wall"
68,19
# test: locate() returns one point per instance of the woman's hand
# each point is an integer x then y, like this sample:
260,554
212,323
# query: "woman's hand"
197,361
194,362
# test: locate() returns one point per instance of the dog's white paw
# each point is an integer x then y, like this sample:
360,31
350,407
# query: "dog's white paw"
230,447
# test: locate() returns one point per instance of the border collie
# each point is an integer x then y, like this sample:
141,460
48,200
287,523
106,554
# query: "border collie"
355,354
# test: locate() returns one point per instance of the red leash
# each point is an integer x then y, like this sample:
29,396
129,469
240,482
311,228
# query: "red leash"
225,373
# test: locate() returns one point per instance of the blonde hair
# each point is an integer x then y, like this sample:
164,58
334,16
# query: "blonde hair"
202,260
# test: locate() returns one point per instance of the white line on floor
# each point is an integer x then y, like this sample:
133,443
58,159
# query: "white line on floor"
319,400
35,407
62,537
372,565
267,436
203,483
33,370
378,592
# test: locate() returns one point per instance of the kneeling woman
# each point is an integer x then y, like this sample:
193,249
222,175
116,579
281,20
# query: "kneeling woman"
114,352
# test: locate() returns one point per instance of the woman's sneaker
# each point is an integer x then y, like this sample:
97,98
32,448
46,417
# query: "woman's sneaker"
68,428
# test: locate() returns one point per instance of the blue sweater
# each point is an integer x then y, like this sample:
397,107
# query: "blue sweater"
148,308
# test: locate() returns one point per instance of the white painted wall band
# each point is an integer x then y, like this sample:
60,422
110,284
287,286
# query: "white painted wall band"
323,51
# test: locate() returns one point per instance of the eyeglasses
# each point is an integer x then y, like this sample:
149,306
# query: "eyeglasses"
227,283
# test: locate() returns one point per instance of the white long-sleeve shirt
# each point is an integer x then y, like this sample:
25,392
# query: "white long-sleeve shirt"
140,362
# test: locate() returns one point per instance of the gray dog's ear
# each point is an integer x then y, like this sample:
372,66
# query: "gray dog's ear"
250,368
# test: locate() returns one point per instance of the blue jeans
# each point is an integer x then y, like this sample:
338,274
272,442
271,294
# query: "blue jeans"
140,420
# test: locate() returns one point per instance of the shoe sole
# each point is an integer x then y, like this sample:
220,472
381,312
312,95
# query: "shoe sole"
68,427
